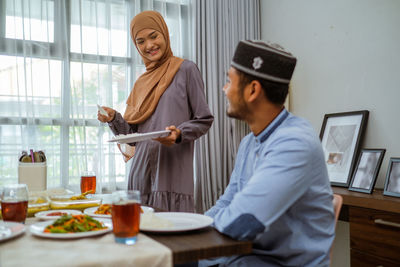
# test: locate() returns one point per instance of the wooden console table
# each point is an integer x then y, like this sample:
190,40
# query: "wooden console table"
374,227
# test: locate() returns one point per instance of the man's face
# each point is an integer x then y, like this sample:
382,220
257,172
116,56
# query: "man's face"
237,108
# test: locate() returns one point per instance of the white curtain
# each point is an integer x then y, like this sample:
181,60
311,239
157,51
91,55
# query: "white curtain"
220,25
58,59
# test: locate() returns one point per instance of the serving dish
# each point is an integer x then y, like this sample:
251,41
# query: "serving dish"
55,214
37,204
138,137
64,202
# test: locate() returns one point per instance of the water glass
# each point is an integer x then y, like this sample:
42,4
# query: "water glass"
14,202
88,182
125,214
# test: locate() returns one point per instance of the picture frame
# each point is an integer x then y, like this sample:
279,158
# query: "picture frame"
341,136
392,182
366,170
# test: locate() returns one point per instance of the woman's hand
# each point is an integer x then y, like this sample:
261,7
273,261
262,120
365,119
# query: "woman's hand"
103,118
171,138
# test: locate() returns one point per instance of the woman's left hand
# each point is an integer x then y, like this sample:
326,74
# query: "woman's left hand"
171,138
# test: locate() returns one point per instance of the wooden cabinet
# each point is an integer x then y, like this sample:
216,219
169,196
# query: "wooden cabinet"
374,227
367,260
375,235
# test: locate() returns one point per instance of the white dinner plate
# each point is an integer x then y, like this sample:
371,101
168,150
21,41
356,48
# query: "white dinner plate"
38,228
137,137
90,212
177,222
47,214
10,230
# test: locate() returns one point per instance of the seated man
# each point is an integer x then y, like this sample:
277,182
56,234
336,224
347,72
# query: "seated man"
279,195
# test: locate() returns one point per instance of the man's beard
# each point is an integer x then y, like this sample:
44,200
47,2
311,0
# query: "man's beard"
239,113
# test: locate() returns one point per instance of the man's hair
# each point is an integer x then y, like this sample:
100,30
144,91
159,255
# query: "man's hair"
275,92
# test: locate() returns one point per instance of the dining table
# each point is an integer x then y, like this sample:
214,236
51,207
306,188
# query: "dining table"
201,244
152,249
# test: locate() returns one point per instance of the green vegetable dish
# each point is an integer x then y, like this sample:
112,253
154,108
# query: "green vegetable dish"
74,224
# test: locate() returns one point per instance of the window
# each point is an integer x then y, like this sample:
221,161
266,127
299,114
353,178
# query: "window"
58,59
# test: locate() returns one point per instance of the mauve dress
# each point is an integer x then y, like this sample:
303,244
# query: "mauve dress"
164,175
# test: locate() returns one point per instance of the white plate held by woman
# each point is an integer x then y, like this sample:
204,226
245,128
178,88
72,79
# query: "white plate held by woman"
138,137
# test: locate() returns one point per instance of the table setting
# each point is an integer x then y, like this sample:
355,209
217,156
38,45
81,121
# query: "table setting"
53,234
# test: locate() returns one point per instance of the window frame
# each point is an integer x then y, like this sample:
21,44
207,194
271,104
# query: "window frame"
57,51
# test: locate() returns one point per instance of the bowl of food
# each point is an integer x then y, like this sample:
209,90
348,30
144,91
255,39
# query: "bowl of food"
37,204
79,202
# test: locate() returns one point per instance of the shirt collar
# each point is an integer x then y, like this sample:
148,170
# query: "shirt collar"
272,126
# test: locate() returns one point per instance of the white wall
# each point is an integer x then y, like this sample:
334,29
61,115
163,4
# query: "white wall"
348,59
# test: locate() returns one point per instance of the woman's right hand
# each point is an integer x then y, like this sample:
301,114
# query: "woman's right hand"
103,118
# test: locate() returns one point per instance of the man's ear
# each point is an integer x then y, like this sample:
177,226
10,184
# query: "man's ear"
254,91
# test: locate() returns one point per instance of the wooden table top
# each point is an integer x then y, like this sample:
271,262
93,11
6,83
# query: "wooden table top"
201,244
376,200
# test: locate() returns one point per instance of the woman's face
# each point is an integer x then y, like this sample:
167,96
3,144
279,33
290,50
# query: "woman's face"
151,44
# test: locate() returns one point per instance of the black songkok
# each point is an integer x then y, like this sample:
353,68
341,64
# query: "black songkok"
265,61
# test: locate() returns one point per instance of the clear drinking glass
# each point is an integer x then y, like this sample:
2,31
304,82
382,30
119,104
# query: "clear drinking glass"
88,182
14,202
125,214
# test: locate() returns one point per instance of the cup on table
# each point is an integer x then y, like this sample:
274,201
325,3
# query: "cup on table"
14,202
125,214
88,182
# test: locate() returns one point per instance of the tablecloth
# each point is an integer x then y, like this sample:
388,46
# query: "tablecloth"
29,250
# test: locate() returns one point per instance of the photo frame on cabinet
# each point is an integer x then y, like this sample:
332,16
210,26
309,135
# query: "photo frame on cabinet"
341,136
366,170
392,182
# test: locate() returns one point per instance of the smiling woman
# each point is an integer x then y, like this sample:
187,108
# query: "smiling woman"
168,95
58,60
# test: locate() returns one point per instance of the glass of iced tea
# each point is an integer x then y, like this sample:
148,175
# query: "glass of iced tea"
14,202
88,182
125,214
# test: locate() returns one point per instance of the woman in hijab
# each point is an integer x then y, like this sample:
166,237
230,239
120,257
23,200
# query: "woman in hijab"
169,95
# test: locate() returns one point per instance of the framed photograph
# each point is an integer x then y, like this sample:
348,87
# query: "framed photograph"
392,182
341,136
367,169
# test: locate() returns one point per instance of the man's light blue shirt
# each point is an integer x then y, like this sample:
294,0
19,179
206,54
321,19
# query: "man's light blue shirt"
279,196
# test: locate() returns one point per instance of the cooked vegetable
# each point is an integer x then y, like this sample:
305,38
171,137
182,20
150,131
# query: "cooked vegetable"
104,209
81,196
74,224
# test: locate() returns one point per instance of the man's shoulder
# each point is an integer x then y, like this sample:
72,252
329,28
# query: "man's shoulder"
299,130
247,138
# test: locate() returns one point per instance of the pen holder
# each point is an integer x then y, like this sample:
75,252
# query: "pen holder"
34,175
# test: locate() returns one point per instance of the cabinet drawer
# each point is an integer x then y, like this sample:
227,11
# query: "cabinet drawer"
374,232
359,259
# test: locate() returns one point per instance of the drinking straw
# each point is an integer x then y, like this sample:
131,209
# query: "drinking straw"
32,157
